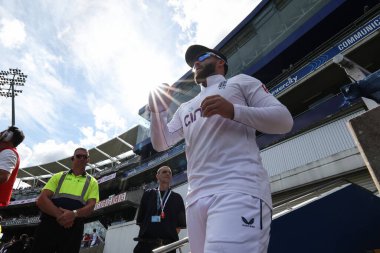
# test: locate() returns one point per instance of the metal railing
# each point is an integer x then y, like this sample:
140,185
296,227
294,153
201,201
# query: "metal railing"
172,246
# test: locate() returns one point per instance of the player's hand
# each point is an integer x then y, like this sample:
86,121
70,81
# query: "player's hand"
160,98
216,104
66,219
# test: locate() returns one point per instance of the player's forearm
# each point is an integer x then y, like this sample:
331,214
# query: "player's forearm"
275,119
160,136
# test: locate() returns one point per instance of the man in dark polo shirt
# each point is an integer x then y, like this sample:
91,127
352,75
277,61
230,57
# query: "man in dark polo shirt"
65,200
161,215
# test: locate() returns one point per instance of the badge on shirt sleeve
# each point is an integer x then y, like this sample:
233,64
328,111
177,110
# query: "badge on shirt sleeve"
156,218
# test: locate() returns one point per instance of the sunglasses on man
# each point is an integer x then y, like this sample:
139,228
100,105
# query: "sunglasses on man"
204,56
81,156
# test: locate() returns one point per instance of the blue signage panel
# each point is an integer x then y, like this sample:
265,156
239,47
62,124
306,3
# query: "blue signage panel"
358,35
166,156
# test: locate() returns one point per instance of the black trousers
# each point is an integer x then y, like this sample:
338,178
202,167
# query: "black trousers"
147,247
50,237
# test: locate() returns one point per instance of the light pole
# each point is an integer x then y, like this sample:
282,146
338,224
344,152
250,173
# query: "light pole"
8,80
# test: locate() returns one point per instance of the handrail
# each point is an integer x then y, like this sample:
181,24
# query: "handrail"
172,246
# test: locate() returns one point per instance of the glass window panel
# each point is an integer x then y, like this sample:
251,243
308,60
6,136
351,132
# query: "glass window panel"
267,30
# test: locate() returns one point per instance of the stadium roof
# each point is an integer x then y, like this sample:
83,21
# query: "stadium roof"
109,152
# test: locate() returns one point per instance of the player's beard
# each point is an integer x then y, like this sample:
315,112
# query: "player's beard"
207,70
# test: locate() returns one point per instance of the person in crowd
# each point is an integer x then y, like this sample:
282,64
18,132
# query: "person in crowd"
94,238
9,161
86,240
161,215
66,199
228,205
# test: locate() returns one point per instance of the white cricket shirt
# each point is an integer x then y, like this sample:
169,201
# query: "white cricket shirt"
222,154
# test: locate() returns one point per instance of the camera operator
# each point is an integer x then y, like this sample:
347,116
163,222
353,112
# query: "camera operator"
9,161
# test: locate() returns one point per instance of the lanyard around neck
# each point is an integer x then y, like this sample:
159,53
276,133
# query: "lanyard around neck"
161,201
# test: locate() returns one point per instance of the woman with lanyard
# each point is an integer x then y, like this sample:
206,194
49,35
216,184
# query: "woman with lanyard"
161,215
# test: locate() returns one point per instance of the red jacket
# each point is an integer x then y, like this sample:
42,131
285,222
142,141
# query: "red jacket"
7,187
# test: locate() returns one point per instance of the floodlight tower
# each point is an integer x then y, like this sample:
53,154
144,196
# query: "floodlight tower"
8,80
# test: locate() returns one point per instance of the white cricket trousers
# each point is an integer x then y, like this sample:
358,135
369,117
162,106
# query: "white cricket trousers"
228,223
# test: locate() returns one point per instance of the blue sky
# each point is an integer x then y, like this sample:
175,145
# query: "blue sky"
91,64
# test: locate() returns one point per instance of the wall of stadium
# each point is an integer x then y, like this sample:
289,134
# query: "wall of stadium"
316,144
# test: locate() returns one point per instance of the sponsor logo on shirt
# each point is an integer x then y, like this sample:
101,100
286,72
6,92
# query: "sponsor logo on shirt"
192,116
248,223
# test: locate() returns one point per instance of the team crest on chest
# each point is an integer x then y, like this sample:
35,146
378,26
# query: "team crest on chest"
222,85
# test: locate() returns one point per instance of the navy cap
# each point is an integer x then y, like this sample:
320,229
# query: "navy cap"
194,51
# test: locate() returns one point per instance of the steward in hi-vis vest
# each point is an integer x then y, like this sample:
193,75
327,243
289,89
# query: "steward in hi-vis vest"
65,200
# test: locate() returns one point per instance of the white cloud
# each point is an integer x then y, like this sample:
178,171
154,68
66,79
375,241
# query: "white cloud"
44,96
92,137
25,153
12,32
119,53
52,150
45,152
106,118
